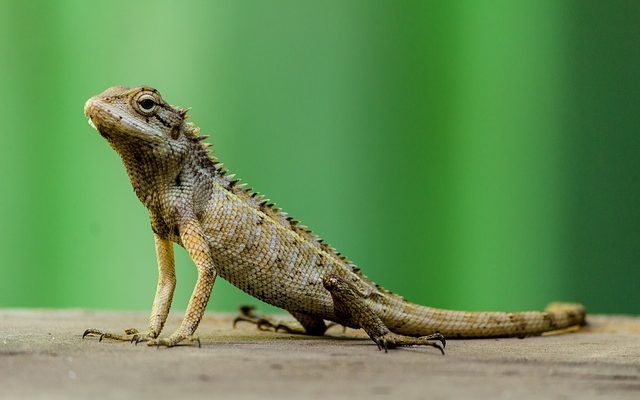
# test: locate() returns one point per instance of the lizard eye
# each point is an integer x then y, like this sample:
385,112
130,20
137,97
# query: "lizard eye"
146,104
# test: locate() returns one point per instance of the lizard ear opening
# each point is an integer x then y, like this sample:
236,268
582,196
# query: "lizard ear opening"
175,132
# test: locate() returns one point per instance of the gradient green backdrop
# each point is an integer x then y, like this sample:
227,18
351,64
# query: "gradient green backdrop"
467,154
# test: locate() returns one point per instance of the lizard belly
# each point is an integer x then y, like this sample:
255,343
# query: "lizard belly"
302,292
267,260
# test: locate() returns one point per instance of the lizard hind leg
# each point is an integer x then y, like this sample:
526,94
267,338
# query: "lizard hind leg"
309,325
350,304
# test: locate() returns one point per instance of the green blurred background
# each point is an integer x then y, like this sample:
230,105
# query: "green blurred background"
468,154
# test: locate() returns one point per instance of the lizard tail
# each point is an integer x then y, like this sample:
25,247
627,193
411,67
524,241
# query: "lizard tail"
417,320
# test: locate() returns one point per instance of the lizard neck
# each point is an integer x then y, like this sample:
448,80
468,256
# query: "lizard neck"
160,181
150,176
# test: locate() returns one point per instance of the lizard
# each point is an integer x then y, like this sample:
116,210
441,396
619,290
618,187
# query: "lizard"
230,230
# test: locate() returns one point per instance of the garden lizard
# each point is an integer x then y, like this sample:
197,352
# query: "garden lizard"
230,230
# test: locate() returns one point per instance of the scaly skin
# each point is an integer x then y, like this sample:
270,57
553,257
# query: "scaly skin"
231,231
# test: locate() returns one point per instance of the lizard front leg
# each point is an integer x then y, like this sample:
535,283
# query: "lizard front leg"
194,241
164,291
161,301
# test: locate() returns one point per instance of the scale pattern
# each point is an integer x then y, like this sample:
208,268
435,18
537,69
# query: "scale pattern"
231,231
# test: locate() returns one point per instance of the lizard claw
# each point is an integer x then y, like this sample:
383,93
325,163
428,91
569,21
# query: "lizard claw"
139,338
437,336
92,332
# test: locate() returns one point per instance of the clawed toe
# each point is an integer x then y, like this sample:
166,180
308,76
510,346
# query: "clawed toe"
265,325
172,341
262,324
130,335
108,335
436,345
391,341
160,342
437,336
383,344
242,318
247,314
91,332
137,338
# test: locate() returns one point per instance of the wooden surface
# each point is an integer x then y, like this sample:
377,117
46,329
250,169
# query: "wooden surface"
42,355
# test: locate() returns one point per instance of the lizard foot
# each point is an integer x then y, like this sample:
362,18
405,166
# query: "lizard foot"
391,340
139,337
247,314
130,335
173,340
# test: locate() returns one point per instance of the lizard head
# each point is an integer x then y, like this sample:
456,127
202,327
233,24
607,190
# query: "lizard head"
125,116
152,137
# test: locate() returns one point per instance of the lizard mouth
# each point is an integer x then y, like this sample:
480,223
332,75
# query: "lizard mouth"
90,121
93,110
100,131
89,111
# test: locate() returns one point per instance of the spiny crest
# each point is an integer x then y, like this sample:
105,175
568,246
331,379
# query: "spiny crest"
183,112
260,202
